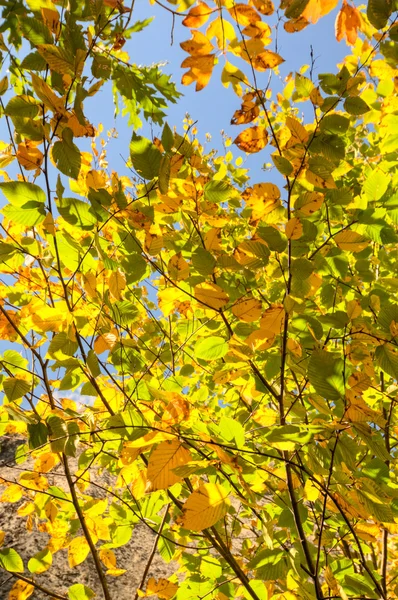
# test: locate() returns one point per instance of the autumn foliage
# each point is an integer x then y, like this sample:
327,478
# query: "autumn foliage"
226,351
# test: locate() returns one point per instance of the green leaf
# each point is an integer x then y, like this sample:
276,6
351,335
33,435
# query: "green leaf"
38,435
19,193
30,214
387,359
15,388
326,374
211,348
145,157
334,124
282,164
76,212
269,564
378,12
376,184
11,561
40,562
232,431
22,106
57,433
356,106
218,191
78,591
164,174
67,155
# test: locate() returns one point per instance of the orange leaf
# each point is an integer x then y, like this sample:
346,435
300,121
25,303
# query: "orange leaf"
294,229
265,7
316,9
273,320
200,70
197,16
295,25
247,310
163,588
166,457
29,156
266,60
211,295
348,22
244,14
252,140
198,45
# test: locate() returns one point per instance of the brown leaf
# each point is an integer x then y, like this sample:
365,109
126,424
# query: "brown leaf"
252,140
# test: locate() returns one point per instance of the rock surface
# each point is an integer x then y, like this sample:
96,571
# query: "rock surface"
60,576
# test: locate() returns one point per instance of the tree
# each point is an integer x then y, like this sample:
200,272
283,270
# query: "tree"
238,341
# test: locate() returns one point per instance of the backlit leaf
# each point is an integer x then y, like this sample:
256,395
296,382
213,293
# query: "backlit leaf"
78,550
197,15
163,588
166,457
204,507
10,560
211,348
211,295
21,590
252,140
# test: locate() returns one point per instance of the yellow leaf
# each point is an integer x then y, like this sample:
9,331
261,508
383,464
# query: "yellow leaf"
309,203
115,572
260,31
351,241
198,45
178,267
163,588
27,508
90,284
263,198
12,493
222,30
108,558
117,283
211,295
47,96
2,536
252,140
294,229
244,14
266,417
299,133
354,309
200,70
166,457
232,75
78,551
273,320
212,239
21,590
204,507
45,462
247,310
315,9
33,481
311,492
197,16
266,60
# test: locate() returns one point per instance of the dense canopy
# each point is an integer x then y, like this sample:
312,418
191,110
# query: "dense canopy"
225,350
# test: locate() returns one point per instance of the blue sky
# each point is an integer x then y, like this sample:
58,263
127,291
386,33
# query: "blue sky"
214,106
